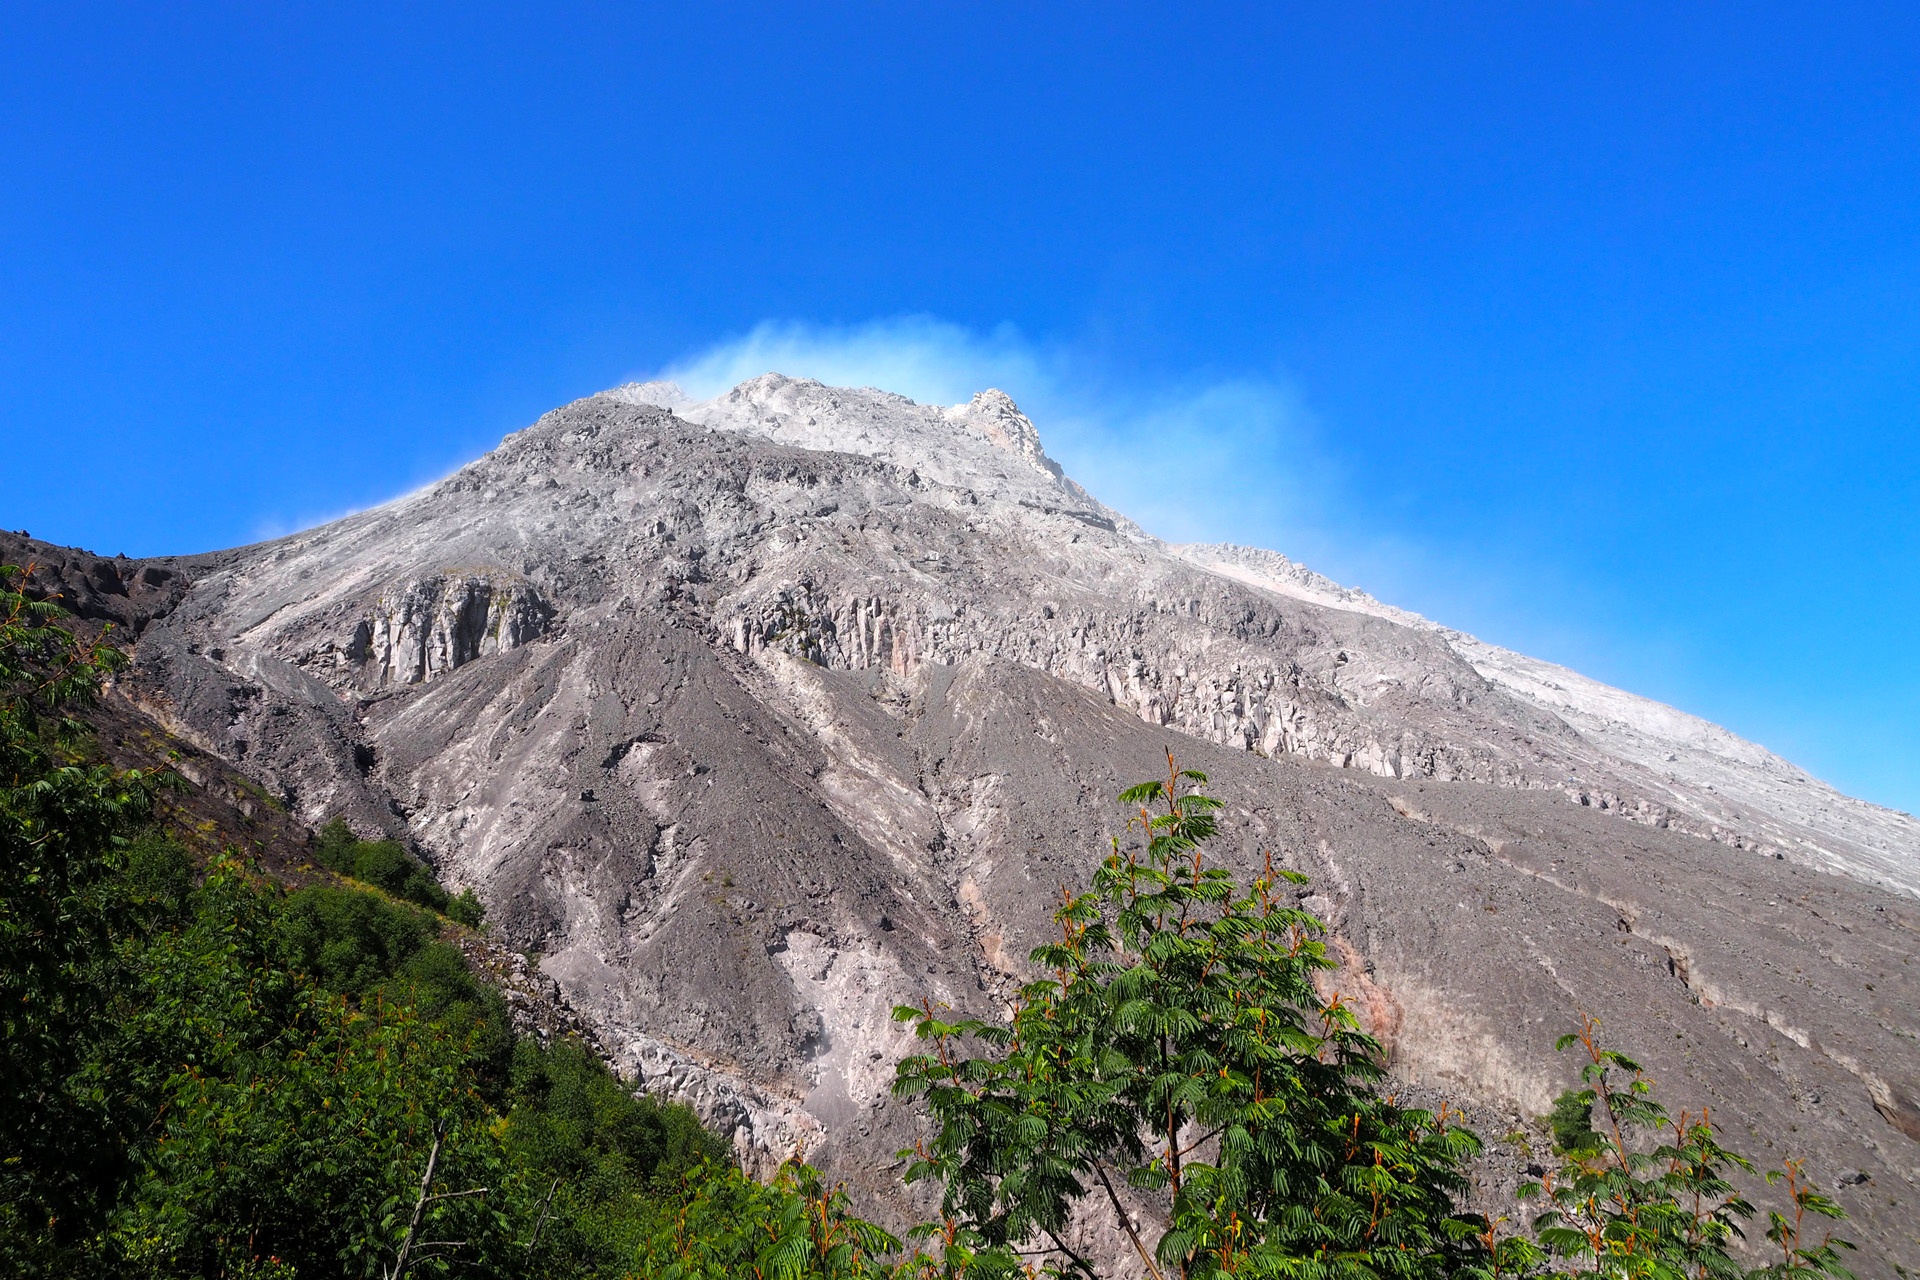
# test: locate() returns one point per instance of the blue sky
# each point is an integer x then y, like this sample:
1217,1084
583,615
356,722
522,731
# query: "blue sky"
1592,329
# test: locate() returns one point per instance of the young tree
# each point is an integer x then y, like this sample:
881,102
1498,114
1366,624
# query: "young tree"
1646,1193
1180,1054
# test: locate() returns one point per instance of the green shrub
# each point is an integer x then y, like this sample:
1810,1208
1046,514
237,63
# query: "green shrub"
385,864
333,846
347,940
288,1119
466,909
65,827
1572,1121
572,1118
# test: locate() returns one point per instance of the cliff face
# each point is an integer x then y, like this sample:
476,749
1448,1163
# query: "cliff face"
755,717
426,627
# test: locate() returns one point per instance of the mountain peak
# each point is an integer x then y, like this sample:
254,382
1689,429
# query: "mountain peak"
879,424
663,393
760,715
994,414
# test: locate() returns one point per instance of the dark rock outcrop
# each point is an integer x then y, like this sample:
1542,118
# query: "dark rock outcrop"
127,594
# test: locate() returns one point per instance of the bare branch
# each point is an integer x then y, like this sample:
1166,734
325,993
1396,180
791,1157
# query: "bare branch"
419,1205
1203,1139
1078,1261
408,1245
1120,1210
542,1220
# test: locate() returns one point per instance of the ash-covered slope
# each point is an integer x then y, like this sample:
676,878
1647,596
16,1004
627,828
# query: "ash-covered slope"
1701,777
760,715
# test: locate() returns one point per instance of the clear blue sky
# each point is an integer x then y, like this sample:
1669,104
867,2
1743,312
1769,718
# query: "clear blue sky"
1592,329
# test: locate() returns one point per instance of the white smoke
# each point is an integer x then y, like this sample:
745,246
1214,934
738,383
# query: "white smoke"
1197,460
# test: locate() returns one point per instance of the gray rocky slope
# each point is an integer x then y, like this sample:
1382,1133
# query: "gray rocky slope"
757,716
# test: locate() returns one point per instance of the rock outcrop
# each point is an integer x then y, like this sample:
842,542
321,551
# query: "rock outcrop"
127,594
428,627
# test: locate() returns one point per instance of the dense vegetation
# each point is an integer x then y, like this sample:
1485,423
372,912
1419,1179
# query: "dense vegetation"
387,865
204,1073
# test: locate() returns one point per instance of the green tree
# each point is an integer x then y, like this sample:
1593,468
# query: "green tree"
65,828
1180,1056
1650,1194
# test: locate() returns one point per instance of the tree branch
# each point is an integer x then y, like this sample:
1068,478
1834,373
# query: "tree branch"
1126,1223
1205,1138
542,1220
419,1205
1078,1261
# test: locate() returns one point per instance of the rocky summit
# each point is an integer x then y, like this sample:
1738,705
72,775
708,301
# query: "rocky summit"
751,718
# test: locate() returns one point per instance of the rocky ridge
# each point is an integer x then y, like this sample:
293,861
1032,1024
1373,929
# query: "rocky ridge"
1680,771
